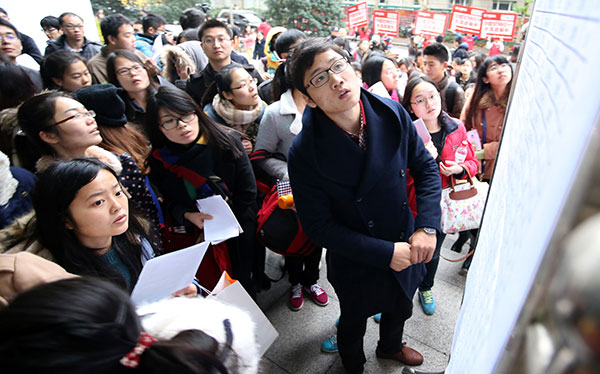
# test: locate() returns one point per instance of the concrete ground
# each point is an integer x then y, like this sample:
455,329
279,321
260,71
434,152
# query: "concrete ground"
297,350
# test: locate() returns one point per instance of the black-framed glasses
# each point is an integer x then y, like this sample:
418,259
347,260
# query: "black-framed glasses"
7,36
423,100
89,113
174,122
137,68
337,67
251,81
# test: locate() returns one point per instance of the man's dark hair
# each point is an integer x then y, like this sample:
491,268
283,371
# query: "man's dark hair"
152,20
61,18
4,22
438,51
110,25
439,38
213,24
458,39
191,18
3,11
304,56
50,22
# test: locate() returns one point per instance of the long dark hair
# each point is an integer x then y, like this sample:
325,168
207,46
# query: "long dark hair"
87,325
282,81
15,85
181,103
410,86
56,188
223,78
37,114
481,88
372,66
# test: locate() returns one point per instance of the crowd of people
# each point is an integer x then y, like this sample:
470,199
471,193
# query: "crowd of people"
106,148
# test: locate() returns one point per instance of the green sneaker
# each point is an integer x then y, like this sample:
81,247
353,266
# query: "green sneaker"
427,301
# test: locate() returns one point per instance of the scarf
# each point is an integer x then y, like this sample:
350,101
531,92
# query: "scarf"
9,183
233,116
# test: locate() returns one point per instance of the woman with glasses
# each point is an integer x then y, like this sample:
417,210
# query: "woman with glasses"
61,128
125,69
422,100
65,70
194,158
237,103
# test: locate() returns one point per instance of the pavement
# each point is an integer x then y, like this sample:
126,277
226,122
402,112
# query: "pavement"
297,350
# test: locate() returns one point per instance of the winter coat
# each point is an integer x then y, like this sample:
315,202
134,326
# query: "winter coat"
355,203
459,96
19,203
454,133
494,110
89,49
461,51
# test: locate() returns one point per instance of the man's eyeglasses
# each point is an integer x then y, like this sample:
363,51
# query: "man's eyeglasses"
251,81
89,113
173,123
321,78
71,27
135,69
7,36
423,100
212,41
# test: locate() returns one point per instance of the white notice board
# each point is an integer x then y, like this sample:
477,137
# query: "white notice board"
552,114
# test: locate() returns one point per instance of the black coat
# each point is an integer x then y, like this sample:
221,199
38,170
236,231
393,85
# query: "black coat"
354,202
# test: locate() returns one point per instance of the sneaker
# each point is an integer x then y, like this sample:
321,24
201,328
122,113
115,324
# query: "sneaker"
427,301
377,317
296,297
318,294
330,345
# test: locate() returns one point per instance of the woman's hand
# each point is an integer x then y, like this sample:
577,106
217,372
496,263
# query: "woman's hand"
197,218
189,291
432,150
449,168
247,146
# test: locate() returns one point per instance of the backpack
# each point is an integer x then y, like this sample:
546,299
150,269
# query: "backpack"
279,229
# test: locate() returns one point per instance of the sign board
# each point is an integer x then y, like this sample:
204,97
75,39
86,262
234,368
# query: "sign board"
430,23
358,15
498,25
385,22
527,201
466,19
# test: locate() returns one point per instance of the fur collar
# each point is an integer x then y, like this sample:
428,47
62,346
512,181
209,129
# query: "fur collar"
103,155
170,57
489,100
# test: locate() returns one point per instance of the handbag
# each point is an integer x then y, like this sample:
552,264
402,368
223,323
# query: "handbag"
462,204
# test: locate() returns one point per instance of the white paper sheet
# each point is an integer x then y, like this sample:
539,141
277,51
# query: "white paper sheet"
223,225
163,275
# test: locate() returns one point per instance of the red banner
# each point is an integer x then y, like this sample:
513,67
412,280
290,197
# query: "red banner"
498,25
430,23
385,22
358,15
466,19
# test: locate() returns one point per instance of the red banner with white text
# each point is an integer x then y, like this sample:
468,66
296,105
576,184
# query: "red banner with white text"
498,25
358,15
385,22
466,19
430,23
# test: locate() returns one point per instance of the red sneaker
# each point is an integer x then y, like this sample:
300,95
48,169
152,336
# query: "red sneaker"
318,294
296,297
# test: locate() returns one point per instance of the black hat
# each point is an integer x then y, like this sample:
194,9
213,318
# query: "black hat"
103,99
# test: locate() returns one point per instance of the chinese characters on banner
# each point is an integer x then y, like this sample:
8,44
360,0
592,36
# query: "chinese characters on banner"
486,25
430,23
498,26
385,23
466,19
358,15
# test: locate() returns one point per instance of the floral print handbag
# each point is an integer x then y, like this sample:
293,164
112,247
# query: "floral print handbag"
462,204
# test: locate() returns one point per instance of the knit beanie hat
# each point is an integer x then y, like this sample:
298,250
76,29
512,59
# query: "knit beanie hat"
103,99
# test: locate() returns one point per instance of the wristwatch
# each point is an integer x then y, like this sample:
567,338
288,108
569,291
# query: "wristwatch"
429,230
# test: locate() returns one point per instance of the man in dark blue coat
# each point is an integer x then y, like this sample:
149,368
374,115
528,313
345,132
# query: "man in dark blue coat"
348,169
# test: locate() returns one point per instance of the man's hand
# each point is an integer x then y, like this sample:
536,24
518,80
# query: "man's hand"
189,291
422,246
197,218
401,257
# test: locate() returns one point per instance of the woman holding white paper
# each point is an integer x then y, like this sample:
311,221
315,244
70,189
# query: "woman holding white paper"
194,158
422,100
83,219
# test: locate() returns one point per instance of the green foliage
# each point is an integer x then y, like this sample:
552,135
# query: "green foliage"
312,16
171,9
115,6
523,10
